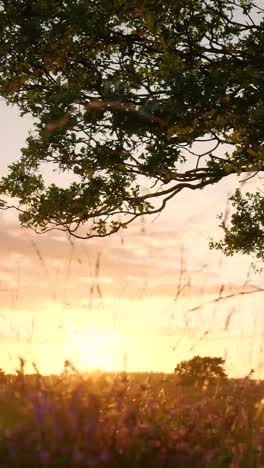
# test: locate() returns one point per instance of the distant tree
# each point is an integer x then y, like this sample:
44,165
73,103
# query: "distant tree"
2,375
126,94
200,369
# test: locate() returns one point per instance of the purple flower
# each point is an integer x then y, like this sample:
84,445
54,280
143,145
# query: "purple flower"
44,457
41,407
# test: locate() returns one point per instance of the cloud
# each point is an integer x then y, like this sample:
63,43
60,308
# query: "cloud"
38,269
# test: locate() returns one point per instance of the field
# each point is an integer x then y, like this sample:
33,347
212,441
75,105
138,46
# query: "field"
129,420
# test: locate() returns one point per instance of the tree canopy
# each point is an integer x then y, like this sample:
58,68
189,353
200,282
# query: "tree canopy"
246,232
199,369
127,94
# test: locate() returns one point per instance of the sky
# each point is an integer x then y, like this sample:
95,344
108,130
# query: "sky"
141,300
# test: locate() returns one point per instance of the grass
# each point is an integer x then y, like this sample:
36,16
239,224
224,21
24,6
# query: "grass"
129,420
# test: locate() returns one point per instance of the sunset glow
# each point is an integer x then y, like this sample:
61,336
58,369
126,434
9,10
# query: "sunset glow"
95,348
149,277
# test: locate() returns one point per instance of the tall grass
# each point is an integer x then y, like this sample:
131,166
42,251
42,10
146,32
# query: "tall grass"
129,419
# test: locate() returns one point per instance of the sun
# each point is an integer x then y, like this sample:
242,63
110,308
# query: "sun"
94,348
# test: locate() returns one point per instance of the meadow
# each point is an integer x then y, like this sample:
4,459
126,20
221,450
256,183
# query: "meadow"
129,420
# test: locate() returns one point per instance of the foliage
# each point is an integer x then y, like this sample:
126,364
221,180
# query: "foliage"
200,369
124,95
246,232
132,420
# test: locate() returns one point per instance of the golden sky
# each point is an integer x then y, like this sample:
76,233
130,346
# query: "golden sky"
135,309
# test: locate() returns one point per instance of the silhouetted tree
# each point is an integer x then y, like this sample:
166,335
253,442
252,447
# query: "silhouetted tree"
245,232
126,94
200,369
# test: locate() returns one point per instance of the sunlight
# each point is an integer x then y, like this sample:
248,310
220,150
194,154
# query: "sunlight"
94,348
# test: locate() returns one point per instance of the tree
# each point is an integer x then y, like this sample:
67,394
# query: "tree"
124,94
246,232
198,369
